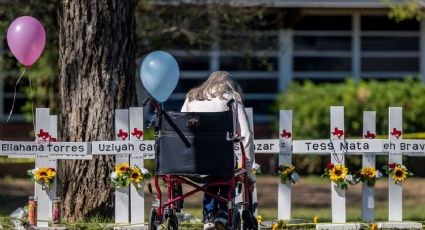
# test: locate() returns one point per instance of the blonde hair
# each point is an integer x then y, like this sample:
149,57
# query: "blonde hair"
217,85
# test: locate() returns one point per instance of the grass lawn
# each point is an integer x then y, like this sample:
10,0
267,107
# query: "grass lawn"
309,198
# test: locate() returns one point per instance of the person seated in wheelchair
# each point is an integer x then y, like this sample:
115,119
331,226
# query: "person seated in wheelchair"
213,96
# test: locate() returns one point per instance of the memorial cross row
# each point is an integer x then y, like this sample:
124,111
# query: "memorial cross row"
129,147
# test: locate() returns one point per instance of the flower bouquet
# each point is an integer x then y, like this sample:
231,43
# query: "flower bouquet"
287,172
339,175
368,175
124,175
44,176
138,176
398,172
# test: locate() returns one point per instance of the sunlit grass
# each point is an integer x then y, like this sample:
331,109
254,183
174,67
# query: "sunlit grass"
302,215
6,160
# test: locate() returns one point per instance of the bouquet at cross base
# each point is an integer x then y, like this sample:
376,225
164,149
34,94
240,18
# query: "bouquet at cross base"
339,175
287,172
368,175
398,172
124,175
44,176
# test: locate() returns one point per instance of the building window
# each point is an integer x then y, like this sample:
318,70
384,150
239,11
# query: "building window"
324,23
388,49
322,48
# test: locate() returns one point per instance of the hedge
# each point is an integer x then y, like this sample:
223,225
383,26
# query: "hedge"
310,103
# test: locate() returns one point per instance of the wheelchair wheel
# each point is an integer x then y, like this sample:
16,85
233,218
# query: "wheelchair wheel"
153,219
172,223
249,221
236,220
178,191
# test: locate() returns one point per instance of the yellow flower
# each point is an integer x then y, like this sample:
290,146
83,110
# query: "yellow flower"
122,168
259,219
288,170
374,227
399,174
136,176
337,173
42,174
51,172
315,219
369,172
275,227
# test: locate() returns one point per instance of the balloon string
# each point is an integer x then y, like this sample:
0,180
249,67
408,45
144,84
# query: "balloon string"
32,102
14,94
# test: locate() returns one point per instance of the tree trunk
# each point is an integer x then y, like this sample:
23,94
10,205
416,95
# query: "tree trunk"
96,76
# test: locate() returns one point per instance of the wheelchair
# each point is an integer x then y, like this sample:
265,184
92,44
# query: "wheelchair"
197,150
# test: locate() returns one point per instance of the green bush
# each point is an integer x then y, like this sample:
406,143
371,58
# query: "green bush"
311,114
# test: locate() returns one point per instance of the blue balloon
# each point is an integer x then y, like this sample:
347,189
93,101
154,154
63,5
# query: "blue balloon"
159,73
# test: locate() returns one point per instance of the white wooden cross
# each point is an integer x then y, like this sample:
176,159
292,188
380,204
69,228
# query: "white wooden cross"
395,132
396,148
283,146
130,148
368,160
285,157
337,136
46,150
122,195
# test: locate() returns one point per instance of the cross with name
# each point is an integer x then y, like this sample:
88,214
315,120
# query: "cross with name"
46,150
128,147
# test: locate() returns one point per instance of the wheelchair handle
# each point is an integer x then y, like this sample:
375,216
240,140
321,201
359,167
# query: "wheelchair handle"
230,102
152,102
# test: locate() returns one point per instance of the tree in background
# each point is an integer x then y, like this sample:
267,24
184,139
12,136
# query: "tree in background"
96,73
405,10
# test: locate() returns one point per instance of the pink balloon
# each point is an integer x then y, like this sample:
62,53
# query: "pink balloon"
26,39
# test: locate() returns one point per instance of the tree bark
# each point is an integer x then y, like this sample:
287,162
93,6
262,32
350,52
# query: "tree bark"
96,73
